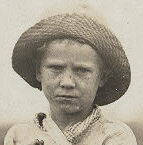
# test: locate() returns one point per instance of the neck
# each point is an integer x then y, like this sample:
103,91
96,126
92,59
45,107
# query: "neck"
63,119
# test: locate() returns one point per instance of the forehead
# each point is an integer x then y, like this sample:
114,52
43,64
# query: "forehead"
71,51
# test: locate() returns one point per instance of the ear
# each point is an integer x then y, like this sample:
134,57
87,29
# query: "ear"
38,74
106,74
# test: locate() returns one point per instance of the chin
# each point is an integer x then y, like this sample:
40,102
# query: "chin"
70,109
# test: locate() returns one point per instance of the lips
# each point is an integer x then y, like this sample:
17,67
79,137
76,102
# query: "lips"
66,96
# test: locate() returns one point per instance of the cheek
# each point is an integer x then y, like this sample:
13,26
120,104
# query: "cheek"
89,86
47,90
49,84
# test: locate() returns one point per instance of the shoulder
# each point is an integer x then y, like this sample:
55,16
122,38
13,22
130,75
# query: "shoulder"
114,125
22,127
19,131
27,127
117,132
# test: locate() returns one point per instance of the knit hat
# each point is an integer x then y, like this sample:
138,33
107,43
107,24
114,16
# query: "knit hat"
75,26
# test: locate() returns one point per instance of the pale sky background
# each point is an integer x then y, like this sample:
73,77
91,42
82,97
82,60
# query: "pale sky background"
19,101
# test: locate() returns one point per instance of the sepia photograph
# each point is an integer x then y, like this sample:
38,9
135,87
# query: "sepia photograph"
71,72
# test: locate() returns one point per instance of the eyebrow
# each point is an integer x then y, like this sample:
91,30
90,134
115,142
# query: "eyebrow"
59,62
54,61
85,65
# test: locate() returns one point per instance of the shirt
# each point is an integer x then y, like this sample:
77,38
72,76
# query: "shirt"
102,132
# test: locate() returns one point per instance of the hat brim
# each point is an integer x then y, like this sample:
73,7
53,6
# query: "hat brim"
76,27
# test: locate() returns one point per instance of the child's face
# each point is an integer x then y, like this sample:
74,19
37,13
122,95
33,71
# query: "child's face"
70,75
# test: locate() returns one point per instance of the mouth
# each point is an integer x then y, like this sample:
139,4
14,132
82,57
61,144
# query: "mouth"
66,97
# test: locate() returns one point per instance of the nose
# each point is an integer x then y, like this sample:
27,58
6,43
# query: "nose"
67,81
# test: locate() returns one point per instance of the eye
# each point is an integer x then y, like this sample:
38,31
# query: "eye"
82,70
55,68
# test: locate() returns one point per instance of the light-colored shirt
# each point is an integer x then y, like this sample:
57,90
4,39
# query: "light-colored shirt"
102,132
